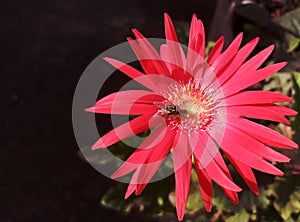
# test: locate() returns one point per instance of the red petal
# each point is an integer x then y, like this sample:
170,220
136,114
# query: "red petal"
232,195
196,47
257,112
250,78
197,36
238,60
131,72
169,29
215,51
123,109
135,126
214,155
205,185
182,162
131,96
182,182
212,168
249,143
246,173
147,55
231,147
154,148
127,102
182,187
254,63
173,56
261,133
146,173
281,109
130,189
228,54
256,97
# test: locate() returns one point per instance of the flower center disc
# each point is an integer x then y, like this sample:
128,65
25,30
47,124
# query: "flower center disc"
188,107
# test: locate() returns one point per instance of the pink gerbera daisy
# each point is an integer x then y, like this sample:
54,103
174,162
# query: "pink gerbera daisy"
197,109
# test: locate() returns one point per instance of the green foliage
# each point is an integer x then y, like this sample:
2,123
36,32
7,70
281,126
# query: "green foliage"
297,79
290,23
280,200
241,216
280,82
153,200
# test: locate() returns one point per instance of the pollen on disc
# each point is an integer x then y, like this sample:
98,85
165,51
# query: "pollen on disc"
196,107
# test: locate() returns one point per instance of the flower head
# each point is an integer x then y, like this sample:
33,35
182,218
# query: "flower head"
197,109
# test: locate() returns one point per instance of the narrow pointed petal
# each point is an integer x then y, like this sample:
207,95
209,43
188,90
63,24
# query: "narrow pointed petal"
145,59
147,55
262,133
131,96
246,173
256,97
130,189
215,51
146,174
250,78
127,102
153,157
131,72
196,46
123,109
173,56
169,29
133,127
172,53
232,195
182,161
254,63
208,155
205,185
212,168
228,54
216,174
257,112
281,110
197,36
238,60
182,186
153,149
247,142
229,146
181,152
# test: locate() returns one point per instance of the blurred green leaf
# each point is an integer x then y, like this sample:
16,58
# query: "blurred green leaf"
280,82
290,22
297,78
241,216
296,120
293,43
265,197
287,196
291,206
153,199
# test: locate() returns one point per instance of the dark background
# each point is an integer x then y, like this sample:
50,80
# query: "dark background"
46,47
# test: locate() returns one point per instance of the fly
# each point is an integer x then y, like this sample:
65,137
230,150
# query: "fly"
170,110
